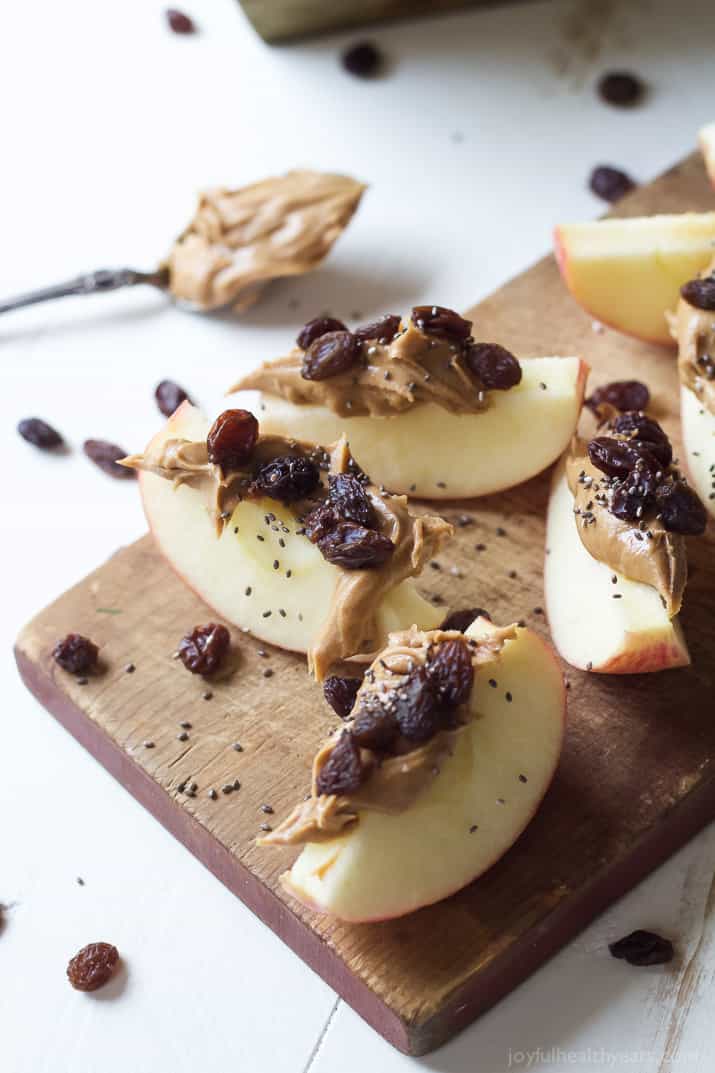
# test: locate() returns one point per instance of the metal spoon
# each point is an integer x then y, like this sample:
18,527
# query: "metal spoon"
104,279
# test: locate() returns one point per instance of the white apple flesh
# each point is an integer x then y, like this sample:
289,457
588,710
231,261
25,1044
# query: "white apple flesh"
473,811
698,426
592,630
234,573
433,454
707,145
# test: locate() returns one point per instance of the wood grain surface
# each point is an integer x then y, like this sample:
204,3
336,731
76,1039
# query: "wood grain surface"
636,778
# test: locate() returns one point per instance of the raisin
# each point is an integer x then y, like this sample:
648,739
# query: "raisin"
39,433
179,22
621,394
342,771
350,500
232,438
92,966
106,456
620,88
442,322
169,397
643,948
317,327
497,369
644,432
321,520
76,654
462,620
706,366
355,548
375,727
330,355
340,693
617,458
383,330
416,707
363,60
628,503
700,293
287,478
610,184
450,668
204,649
680,509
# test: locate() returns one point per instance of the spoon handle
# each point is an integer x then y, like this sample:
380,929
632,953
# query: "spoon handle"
104,279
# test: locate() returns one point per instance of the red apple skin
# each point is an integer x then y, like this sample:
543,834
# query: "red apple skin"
659,657
300,897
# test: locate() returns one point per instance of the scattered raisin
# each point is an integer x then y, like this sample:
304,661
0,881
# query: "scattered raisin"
680,509
442,322
462,620
76,654
321,520
340,693
330,355
92,966
39,433
644,432
621,394
450,668
700,293
383,330
287,478
169,397
317,327
630,500
203,650
350,500
620,88
375,727
617,458
106,456
179,22
355,548
342,771
643,948
363,60
610,184
495,366
232,438
416,707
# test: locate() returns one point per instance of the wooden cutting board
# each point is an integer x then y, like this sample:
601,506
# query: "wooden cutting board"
636,779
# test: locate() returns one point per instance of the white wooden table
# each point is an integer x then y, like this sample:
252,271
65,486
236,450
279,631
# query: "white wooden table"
477,142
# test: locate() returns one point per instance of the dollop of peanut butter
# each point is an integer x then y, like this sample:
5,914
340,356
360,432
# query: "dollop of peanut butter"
391,783
389,378
240,239
694,331
647,553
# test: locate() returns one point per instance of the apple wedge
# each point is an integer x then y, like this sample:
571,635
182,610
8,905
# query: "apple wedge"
471,813
698,426
627,273
591,630
235,573
434,454
706,139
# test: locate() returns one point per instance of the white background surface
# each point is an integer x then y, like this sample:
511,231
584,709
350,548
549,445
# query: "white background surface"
477,141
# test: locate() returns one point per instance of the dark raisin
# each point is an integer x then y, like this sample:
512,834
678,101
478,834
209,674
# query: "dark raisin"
92,966
169,397
621,394
355,548
321,520
462,620
340,693
106,456
342,771
680,509
497,369
610,184
363,60
350,500
383,330
416,706
450,668
330,355
39,433
631,499
617,458
232,438
700,293
179,22
620,88
287,478
442,322
375,727
76,654
644,431
317,327
204,649
643,948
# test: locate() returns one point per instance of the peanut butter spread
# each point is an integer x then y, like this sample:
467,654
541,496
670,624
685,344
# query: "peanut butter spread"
391,783
694,331
350,619
390,377
240,239
646,552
